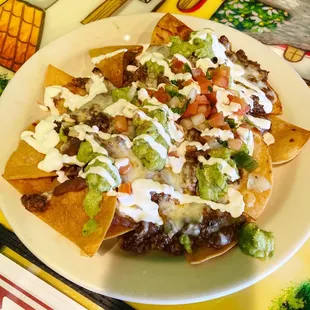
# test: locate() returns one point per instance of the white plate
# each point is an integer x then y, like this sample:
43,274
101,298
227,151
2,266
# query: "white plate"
156,278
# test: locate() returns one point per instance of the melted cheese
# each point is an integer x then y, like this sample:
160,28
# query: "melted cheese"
177,163
140,207
121,107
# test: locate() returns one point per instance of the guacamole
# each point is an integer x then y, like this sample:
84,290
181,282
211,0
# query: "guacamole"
120,93
97,184
85,153
212,184
256,242
199,47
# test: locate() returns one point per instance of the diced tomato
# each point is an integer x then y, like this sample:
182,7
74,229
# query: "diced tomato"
186,83
150,92
173,154
213,111
202,99
125,188
212,97
161,95
197,72
217,120
221,76
191,109
177,66
124,169
245,108
205,109
120,123
205,84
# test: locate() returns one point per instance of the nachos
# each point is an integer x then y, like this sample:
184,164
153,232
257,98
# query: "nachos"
168,146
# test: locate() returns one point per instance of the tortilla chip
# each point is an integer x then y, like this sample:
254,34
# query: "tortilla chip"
255,202
116,231
289,140
276,105
55,76
113,68
34,186
203,254
66,215
169,26
23,164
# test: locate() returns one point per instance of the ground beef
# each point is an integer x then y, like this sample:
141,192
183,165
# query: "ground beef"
78,82
99,119
34,202
73,185
71,147
58,126
71,171
123,221
258,109
192,156
213,225
216,230
162,79
140,74
96,71
148,236
224,40
253,70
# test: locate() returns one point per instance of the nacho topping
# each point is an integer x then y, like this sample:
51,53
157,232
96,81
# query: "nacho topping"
171,139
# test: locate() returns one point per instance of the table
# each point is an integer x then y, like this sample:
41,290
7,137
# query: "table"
263,295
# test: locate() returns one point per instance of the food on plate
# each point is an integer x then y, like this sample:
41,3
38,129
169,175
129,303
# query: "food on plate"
290,140
165,146
256,242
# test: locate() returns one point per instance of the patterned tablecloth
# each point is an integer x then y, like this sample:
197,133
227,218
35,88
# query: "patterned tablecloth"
25,26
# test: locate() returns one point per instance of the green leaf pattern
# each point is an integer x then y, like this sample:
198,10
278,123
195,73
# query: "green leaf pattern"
250,15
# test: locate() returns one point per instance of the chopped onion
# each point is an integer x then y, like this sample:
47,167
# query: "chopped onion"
192,95
198,119
258,183
234,92
187,123
235,144
174,102
131,92
202,126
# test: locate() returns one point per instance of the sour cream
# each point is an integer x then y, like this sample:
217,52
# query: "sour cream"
73,101
223,135
98,59
140,207
225,167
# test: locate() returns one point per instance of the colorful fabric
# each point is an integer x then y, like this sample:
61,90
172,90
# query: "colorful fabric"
250,15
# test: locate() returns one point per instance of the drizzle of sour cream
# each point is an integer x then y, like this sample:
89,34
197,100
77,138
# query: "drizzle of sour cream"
225,167
223,135
73,101
98,59
140,207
